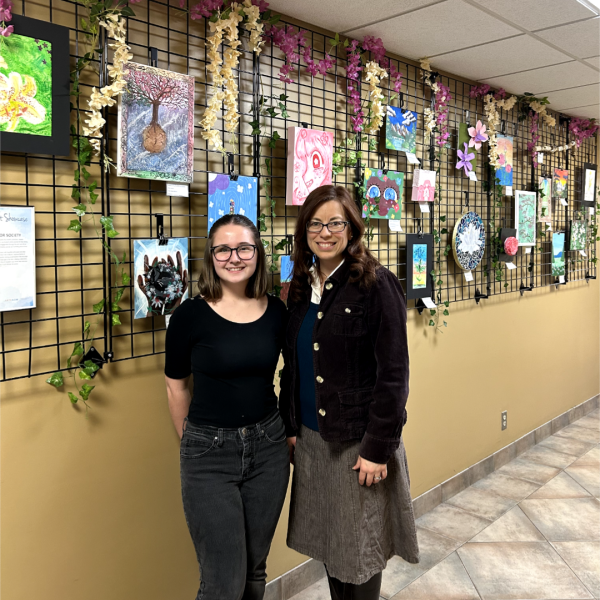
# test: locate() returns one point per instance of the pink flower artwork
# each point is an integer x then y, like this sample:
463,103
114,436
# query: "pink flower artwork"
478,135
423,187
310,156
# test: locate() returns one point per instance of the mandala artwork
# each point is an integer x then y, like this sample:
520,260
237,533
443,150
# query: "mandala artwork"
468,241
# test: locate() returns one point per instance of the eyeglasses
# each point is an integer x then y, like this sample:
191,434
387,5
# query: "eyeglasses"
223,253
333,226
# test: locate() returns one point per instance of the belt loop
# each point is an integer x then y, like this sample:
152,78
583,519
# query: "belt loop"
184,426
220,436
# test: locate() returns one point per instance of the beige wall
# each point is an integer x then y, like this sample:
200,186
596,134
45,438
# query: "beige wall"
90,507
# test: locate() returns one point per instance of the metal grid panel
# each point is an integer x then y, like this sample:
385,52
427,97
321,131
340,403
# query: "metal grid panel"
36,342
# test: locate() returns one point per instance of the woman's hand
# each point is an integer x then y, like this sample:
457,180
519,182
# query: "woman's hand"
370,472
291,442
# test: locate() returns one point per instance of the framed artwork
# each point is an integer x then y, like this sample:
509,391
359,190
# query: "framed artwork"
578,238
287,271
35,88
560,183
160,276
383,194
510,245
525,203
423,185
400,130
544,212
155,136
468,241
226,196
17,258
419,264
558,254
505,157
310,158
588,185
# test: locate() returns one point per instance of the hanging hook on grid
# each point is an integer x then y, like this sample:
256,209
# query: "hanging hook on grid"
503,127
467,117
466,201
401,99
420,227
232,174
382,162
153,56
160,230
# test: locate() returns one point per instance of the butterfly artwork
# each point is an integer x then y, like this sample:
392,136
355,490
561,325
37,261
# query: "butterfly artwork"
227,196
309,165
383,196
560,183
401,130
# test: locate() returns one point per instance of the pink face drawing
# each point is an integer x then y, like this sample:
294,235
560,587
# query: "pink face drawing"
313,155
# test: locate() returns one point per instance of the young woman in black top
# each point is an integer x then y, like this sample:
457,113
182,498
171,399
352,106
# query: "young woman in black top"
234,457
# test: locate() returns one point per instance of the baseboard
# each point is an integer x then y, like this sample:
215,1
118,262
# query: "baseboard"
299,578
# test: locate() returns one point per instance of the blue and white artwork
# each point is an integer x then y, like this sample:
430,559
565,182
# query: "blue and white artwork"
161,281
287,270
400,129
468,241
228,197
558,251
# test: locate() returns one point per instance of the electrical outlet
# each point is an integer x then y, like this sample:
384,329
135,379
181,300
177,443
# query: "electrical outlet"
504,420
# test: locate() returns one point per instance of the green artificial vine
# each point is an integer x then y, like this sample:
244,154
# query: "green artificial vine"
495,230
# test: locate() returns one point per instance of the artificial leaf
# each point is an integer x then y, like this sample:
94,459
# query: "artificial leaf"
75,193
73,397
79,210
86,327
85,391
84,375
56,379
125,278
74,225
119,294
99,306
115,320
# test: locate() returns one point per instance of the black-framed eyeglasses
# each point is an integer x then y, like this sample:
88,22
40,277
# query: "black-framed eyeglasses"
333,226
244,252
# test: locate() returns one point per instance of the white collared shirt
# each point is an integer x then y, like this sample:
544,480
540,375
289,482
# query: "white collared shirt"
316,284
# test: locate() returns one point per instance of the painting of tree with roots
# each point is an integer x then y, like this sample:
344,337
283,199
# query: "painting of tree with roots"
156,125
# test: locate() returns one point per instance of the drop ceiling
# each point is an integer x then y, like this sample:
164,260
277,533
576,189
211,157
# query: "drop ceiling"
546,47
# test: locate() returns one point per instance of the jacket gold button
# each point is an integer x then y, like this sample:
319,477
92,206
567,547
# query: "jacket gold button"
348,310
322,412
328,286
319,379
316,346
319,315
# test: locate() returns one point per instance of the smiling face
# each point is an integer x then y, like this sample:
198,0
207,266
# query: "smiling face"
235,269
329,247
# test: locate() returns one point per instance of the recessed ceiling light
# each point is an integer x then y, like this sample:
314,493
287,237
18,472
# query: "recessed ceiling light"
593,5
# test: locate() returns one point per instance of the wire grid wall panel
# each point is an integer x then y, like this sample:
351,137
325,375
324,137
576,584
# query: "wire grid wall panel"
73,272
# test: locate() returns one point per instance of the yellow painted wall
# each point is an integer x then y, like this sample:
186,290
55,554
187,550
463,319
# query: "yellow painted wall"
90,507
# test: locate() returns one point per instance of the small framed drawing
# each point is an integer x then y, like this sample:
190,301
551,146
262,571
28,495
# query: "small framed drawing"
34,84
525,203
587,193
419,264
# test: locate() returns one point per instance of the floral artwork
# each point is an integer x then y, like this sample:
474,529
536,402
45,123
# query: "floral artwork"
419,273
560,183
287,270
383,194
160,276
423,186
511,246
578,235
401,130
558,254
310,158
544,212
226,196
156,125
505,159
525,203
468,241
588,185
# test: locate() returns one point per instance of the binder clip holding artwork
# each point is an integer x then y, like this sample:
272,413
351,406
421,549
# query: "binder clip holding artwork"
230,168
160,230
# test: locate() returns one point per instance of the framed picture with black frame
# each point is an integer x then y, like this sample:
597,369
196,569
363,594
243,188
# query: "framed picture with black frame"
37,73
419,264
588,182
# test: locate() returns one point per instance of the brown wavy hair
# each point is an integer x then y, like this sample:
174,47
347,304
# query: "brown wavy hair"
209,283
363,265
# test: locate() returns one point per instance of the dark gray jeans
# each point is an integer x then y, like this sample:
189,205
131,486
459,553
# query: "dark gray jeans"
233,484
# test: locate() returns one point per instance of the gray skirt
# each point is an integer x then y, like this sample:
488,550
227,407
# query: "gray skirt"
352,528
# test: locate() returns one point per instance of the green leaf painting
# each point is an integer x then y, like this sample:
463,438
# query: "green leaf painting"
525,204
578,235
26,104
544,214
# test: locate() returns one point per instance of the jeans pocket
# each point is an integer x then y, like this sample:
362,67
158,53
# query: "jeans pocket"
275,432
195,445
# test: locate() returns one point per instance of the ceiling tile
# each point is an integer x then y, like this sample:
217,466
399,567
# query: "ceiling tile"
437,29
594,61
574,97
341,15
537,14
499,58
589,112
546,79
581,39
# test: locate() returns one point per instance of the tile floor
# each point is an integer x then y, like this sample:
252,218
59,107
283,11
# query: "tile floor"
530,530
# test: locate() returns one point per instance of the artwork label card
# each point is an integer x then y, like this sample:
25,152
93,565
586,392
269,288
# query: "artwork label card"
401,130
179,190
155,138
383,193
229,197
310,157
161,281
17,257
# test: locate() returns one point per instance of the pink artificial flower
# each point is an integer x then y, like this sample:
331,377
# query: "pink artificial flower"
478,135
5,14
511,246
479,91
6,31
